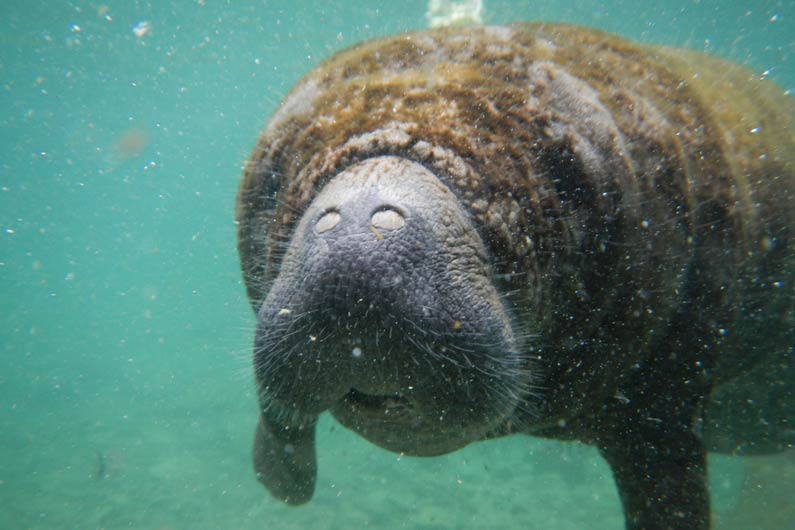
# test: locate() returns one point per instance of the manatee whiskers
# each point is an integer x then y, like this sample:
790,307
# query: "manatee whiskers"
282,334
501,389
241,351
509,374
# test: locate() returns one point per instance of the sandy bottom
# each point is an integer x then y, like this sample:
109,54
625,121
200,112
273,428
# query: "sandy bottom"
188,470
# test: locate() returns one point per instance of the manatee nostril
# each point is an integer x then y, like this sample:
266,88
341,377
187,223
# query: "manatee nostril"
388,219
327,221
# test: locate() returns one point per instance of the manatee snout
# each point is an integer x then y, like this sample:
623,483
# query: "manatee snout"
384,313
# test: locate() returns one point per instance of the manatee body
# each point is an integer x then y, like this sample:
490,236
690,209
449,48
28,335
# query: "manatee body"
458,234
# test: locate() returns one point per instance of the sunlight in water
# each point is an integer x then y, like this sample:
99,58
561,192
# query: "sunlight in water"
454,13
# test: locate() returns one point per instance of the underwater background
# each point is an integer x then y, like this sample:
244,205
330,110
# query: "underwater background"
126,393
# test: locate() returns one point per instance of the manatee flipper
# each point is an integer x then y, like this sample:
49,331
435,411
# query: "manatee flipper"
285,461
661,478
651,436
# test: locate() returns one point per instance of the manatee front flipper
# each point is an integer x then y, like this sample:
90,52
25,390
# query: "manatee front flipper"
650,439
661,477
284,460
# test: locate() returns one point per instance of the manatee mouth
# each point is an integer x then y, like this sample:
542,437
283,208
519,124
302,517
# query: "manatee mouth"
361,402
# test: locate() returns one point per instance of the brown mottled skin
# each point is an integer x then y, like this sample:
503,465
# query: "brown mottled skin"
637,207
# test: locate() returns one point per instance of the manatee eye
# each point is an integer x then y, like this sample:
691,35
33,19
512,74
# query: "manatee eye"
387,218
327,221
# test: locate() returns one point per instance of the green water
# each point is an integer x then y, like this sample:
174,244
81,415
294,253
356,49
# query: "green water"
126,399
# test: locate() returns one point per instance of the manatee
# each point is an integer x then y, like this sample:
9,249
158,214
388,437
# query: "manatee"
464,233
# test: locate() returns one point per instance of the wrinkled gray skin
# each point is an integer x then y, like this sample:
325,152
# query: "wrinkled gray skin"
385,303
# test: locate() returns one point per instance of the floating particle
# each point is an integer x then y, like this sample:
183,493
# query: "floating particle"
104,12
142,29
131,143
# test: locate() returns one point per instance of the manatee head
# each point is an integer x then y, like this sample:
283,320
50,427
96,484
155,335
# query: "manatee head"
384,313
